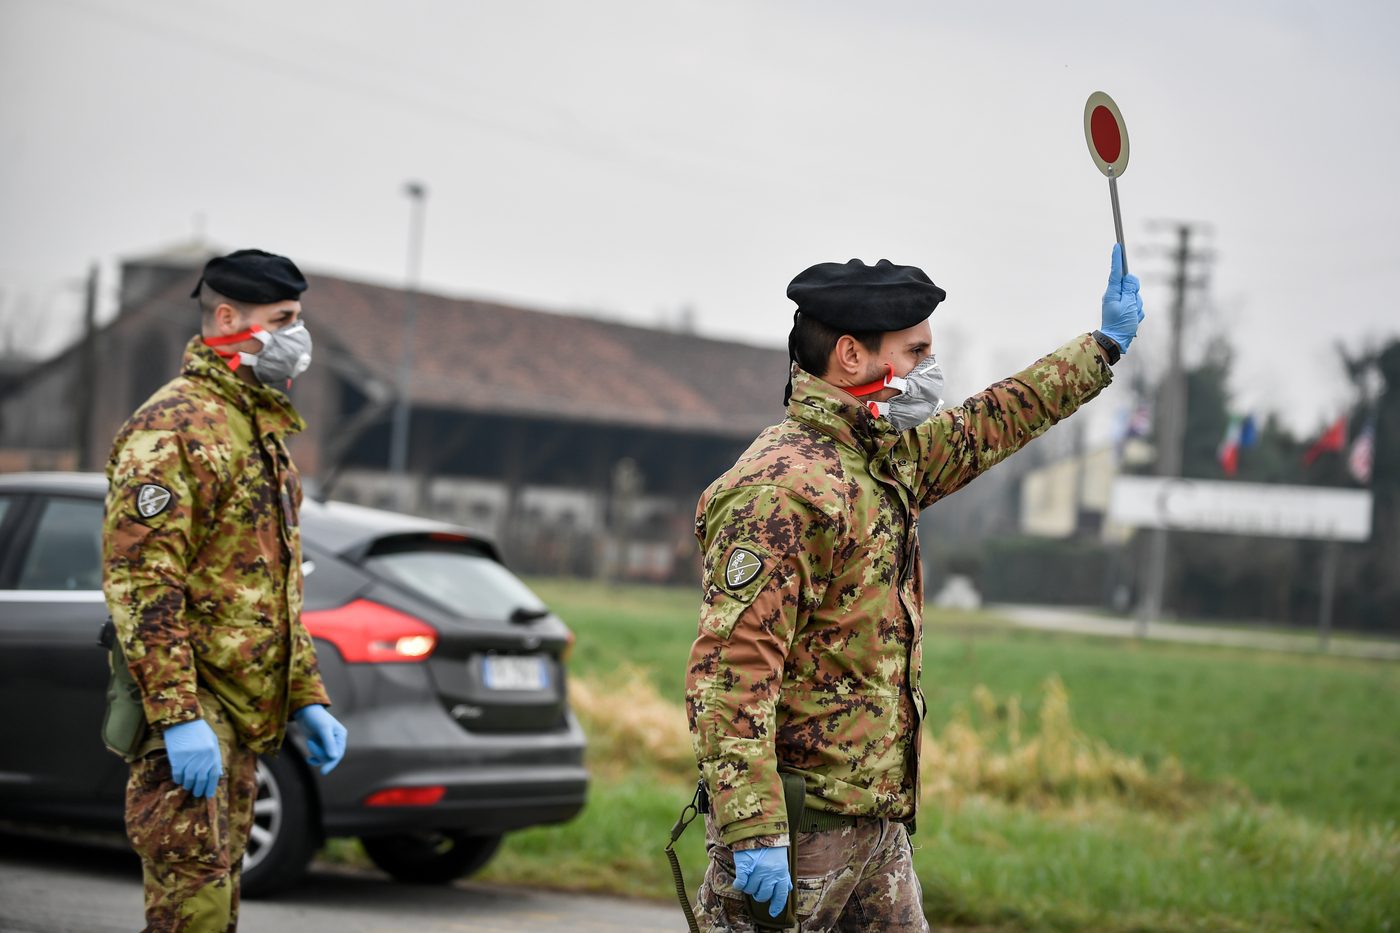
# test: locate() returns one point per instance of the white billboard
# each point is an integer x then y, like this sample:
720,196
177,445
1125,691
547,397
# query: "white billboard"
1262,509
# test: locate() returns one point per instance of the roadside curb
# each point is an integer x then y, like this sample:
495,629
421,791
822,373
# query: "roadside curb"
1045,618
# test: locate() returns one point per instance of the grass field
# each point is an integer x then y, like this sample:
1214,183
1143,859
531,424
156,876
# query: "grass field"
1317,735
1073,783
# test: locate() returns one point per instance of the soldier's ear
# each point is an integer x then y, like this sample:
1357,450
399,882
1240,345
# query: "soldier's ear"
228,319
847,358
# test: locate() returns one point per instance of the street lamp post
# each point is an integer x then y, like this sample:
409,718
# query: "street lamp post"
398,441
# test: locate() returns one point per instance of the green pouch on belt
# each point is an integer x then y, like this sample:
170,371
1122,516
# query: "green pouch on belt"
795,800
124,726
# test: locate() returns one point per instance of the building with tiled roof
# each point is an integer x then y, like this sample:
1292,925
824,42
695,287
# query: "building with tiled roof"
578,442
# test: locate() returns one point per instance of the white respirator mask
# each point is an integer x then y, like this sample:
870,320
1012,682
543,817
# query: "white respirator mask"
920,394
286,353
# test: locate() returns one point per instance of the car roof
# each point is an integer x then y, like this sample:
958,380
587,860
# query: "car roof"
339,527
348,529
84,484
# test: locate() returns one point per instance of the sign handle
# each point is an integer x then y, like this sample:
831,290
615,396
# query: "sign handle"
1117,217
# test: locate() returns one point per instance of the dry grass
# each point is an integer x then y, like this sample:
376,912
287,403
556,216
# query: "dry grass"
630,727
986,752
983,752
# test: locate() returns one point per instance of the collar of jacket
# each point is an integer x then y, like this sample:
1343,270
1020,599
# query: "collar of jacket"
271,409
834,411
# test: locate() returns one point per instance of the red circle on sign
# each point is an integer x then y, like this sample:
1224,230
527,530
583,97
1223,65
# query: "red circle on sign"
1108,141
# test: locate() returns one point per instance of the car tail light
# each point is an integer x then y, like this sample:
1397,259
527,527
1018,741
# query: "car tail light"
365,632
406,796
568,646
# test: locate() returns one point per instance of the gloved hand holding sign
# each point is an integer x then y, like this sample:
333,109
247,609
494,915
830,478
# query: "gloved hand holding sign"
325,737
1122,308
763,874
195,761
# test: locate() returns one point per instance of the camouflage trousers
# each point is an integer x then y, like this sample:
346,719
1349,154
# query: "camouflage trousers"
858,878
191,847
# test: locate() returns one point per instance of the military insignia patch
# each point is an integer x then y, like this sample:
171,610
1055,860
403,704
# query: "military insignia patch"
151,500
743,566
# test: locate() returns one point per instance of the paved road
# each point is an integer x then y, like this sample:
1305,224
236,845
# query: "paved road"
51,886
1085,623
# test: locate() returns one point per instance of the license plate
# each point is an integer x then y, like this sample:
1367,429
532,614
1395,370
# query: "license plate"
515,672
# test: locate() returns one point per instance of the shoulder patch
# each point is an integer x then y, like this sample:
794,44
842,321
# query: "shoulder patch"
743,566
151,500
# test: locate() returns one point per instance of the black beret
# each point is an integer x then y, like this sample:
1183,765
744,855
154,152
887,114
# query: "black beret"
253,276
855,297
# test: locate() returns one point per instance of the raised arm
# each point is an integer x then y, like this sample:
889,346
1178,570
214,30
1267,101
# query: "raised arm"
955,446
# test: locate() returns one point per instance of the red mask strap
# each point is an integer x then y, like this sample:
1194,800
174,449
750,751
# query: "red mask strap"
232,357
870,388
232,338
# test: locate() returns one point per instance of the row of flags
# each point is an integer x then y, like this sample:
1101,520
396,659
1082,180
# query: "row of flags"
1243,433
1331,441
1362,456
1363,452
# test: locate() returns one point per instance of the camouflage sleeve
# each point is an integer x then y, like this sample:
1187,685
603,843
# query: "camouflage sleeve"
768,558
955,446
158,501
304,686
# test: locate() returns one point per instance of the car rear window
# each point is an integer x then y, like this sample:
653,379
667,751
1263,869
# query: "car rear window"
469,584
66,552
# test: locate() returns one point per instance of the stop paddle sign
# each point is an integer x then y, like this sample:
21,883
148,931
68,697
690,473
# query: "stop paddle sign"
1107,136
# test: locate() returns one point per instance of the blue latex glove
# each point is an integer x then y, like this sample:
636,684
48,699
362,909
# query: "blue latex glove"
325,736
763,873
1122,308
196,763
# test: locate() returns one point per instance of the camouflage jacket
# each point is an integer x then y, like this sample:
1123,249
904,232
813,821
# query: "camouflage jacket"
810,638
202,552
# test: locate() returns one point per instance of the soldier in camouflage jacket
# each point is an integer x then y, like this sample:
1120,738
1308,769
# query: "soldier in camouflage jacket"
202,574
810,640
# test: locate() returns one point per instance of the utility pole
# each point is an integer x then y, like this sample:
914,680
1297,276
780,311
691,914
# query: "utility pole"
87,375
1172,424
1081,471
398,441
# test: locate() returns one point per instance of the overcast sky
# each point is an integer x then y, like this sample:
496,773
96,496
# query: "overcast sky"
633,158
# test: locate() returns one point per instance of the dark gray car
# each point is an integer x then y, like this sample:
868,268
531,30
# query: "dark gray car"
447,671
